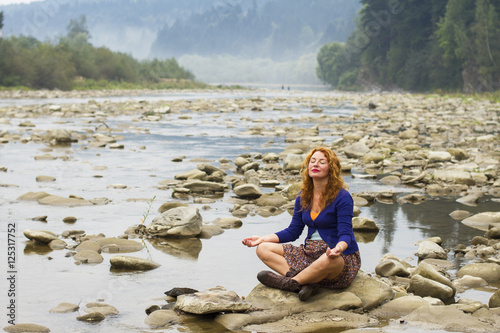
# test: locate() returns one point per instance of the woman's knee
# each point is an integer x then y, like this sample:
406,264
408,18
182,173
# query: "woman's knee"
264,250
331,264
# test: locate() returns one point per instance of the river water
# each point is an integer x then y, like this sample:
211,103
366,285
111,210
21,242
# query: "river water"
48,277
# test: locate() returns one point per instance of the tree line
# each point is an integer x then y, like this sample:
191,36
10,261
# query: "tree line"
72,62
425,45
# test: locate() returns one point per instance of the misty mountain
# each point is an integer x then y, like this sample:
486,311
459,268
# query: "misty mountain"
279,29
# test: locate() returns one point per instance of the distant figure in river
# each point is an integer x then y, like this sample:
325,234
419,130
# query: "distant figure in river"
329,257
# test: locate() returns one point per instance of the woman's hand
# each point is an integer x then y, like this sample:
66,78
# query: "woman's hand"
337,250
252,241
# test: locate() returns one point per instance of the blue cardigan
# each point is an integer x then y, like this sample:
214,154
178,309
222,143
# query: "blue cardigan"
334,223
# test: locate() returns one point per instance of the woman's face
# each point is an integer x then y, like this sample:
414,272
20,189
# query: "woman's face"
318,165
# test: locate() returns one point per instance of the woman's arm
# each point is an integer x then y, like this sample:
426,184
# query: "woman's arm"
256,240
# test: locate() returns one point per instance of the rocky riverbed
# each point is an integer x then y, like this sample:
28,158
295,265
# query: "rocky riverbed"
418,148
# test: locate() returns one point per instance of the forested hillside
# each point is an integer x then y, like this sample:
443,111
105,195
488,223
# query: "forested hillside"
418,46
72,62
279,29
122,25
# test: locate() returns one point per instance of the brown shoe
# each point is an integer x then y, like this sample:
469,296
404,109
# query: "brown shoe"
277,281
307,290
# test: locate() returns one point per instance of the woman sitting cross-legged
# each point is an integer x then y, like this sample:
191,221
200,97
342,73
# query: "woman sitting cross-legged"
329,257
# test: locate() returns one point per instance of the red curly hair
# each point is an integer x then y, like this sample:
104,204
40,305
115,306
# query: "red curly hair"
335,181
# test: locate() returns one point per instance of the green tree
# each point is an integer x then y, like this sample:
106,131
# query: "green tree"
486,31
78,27
1,20
53,68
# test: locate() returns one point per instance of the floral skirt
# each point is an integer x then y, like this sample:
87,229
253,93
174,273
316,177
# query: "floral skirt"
298,258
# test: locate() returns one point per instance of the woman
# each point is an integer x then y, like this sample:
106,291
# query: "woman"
329,257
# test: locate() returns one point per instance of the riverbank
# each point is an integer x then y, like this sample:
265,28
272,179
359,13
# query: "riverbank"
410,149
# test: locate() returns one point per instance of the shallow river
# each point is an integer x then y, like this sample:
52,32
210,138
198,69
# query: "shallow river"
47,277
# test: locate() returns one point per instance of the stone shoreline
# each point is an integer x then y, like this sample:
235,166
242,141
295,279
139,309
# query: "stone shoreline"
439,146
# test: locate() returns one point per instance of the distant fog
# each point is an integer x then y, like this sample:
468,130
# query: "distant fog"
227,69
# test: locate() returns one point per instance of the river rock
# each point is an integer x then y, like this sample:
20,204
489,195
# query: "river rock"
210,169
400,306
175,292
293,162
55,200
413,198
439,156
422,286
169,205
33,196
429,271
408,134
247,191
372,291
88,245
271,199
468,281
228,222
162,318
69,219
59,136
241,161
39,235
112,244
390,267
490,272
57,244
460,214
208,231
250,166
359,201
91,317
356,150
428,249
493,233
278,303
454,176
43,178
329,320
199,186
482,220
176,222
212,300
270,158
25,328
469,200
191,174
65,308
364,224
102,308
449,319
88,257
391,180
494,301
479,240
133,263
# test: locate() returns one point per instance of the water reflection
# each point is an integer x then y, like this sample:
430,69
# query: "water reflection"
188,248
33,247
384,217
365,237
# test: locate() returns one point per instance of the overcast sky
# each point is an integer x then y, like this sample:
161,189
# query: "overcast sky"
8,2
